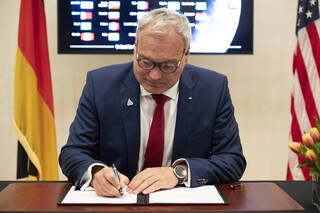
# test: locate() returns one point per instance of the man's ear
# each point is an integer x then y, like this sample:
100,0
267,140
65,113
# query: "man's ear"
135,48
186,53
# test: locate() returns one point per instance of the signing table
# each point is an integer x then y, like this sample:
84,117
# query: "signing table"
262,196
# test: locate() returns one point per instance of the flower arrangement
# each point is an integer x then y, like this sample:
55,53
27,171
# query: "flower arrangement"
309,148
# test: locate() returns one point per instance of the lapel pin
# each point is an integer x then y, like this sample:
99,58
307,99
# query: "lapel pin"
129,103
190,98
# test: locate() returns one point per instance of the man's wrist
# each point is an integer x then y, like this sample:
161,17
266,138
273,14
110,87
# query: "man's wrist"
96,169
183,161
87,176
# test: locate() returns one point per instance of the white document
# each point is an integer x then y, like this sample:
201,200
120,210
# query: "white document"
90,197
200,195
208,194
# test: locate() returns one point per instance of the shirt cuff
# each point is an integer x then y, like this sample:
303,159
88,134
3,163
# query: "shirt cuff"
184,161
87,176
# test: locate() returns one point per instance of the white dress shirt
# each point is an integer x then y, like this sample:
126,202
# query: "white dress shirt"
147,107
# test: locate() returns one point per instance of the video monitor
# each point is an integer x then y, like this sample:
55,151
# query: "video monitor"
96,26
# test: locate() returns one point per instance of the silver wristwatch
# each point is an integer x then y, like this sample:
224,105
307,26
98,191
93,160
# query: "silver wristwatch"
180,172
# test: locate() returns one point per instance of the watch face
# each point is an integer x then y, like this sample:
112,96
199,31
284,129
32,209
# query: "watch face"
180,171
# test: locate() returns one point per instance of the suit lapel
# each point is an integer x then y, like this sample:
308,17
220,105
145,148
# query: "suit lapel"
184,114
130,104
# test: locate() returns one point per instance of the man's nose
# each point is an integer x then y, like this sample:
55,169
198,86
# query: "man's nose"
155,73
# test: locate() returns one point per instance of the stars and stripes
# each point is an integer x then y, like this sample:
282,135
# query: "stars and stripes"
305,96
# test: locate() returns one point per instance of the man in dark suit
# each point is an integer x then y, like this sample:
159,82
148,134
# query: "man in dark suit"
194,140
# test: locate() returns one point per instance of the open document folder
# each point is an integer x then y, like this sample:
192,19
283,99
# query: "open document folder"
208,194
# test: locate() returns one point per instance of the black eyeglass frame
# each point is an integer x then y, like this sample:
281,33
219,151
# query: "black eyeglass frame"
160,65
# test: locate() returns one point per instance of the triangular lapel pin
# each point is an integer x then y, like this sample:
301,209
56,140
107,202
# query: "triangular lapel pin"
129,103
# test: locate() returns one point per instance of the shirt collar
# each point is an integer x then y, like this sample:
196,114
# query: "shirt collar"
172,92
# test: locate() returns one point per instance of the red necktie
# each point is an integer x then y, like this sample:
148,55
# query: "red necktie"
155,147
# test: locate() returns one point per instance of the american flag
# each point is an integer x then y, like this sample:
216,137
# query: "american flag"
305,97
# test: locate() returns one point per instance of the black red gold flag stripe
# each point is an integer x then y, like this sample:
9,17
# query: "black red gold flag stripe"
34,122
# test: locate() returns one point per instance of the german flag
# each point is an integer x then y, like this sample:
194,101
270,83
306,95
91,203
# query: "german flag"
33,100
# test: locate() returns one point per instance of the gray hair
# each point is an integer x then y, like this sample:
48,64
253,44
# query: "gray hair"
160,19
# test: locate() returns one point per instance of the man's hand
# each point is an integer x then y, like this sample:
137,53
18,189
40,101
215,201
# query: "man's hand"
105,182
153,179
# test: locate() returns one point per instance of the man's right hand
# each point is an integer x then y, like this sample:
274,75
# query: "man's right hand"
105,182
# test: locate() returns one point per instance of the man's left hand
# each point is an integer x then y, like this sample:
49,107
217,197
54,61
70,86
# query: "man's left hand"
153,179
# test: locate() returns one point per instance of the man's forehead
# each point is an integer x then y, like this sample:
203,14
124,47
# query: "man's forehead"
172,39
152,30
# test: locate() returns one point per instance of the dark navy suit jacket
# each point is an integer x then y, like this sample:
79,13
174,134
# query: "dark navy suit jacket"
106,130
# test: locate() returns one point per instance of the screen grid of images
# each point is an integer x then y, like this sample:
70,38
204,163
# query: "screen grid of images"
93,26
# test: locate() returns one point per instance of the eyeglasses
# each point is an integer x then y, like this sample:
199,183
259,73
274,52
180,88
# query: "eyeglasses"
166,67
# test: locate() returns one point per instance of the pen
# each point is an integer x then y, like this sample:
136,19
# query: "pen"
117,176
236,186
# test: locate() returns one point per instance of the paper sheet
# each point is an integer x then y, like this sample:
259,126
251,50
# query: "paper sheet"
199,195
90,197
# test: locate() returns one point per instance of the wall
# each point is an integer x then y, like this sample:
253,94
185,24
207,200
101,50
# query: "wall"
260,85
